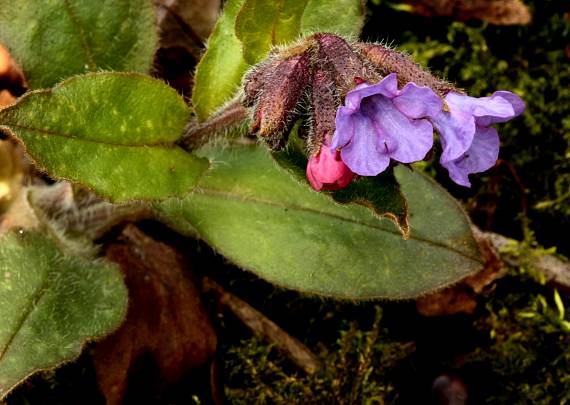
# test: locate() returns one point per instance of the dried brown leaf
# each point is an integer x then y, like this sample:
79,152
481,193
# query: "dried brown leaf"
11,76
185,23
462,297
500,12
166,319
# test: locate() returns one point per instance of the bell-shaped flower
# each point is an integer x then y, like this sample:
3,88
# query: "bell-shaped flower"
379,122
469,144
327,171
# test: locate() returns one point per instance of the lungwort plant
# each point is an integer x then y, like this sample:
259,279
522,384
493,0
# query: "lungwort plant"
326,201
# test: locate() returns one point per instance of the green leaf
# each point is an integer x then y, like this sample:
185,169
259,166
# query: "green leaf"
256,215
220,70
55,39
381,194
262,24
113,132
342,17
51,305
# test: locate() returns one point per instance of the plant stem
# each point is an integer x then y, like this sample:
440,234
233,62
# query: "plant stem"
198,133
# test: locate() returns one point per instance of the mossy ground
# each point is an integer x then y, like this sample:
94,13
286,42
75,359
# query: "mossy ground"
512,350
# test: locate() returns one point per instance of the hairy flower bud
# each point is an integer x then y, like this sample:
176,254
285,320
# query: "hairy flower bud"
324,104
279,98
389,61
345,65
256,79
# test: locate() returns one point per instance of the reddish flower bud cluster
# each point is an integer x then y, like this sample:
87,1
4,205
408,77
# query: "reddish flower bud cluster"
319,71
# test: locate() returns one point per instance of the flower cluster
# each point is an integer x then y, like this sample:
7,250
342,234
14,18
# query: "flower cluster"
379,122
370,105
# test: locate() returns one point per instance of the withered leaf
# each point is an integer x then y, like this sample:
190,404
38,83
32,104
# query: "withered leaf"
500,12
186,23
166,318
462,297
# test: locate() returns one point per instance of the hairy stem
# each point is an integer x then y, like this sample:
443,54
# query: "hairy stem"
198,133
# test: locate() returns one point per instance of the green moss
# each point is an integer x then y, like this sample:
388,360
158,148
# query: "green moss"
528,355
513,350
354,370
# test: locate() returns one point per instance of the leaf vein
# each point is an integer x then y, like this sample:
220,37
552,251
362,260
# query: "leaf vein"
82,38
26,314
171,145
240,197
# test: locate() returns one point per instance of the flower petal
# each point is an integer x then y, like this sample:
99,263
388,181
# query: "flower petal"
387,87
513,100
456,130
362,155
517,102
481,156
344,129
314,181
402,138
417,102
326,171
486,110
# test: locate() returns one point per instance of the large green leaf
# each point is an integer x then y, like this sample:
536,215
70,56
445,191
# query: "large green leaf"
220,70
256,215
262,24
342,17
55,39
113,132
50,305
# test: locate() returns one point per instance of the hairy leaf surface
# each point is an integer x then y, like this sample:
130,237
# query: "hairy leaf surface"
262,24
258,216
50,305
220,70
342,17
113,132
247,31
55,39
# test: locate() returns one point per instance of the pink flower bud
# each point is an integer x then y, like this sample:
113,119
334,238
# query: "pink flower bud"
327,171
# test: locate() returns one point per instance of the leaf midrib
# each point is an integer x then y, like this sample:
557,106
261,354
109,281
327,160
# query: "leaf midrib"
32,304
168,145
82,35
212,192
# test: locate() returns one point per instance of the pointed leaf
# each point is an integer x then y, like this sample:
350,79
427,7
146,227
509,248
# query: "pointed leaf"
256,215
262,24
53,40
220,70
113,132
50,305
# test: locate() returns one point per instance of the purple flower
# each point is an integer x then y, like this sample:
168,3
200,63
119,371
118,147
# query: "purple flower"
379,122
469,144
